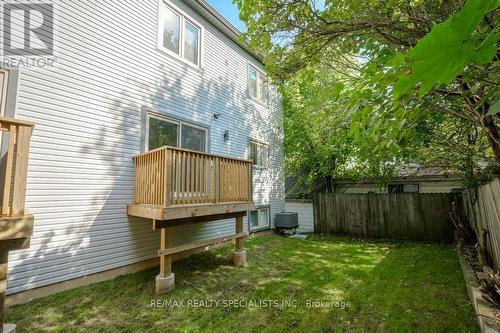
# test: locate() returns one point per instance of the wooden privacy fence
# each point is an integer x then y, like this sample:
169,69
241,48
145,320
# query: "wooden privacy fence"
482,207
173,176
412,216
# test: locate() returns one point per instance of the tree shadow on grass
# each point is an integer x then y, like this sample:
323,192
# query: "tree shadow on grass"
392,287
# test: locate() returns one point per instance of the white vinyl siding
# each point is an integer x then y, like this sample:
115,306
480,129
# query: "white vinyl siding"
89,125
305,214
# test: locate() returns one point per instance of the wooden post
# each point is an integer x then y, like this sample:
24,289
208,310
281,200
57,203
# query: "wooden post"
4,254
21,170
6,209
165,261
239,255
239,229
165,281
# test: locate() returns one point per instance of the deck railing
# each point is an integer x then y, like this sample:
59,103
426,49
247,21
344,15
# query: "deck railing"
14,165
173,176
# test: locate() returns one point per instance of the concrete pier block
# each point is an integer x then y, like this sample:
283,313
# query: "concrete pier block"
240,258
165,284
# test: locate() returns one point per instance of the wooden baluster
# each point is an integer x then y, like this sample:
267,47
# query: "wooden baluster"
154,176
217,180
192,174
202,192
183,177
148,178
175,161
197,179
141,179
241,178
250,181
230,183
159,177
168,177
163,174
188,176
136,184
238,180
179,177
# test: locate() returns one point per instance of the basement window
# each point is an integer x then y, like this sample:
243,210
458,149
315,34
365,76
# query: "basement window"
259,218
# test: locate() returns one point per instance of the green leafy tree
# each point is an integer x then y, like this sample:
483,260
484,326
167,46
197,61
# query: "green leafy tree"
383,49
318,144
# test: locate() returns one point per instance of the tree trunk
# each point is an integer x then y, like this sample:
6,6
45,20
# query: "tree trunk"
493,134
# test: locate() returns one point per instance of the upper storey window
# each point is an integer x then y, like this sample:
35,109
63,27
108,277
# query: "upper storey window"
257,85
179,35
172,31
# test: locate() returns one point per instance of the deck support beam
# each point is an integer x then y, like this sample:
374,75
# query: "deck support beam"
239,255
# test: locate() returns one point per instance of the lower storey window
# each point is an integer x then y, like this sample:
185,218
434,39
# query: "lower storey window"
176,133
259,218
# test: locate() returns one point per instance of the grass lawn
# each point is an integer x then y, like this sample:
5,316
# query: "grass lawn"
391,287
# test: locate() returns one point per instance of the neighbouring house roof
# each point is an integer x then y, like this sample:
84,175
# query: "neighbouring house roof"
218,21
400,180
295,189
410,173
419,171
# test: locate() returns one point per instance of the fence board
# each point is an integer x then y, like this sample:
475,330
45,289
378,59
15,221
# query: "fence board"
412,216
482,207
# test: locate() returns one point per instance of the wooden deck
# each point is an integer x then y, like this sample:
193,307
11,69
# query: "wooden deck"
16,225
176,187
172,183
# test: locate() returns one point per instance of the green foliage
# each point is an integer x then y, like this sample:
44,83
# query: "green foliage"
443,53
379,50
324,138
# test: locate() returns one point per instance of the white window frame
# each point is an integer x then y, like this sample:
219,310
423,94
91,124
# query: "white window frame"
258,143
259,227
260,76
179,122
183,18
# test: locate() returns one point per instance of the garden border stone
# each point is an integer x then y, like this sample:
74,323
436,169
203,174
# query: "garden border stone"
482,308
